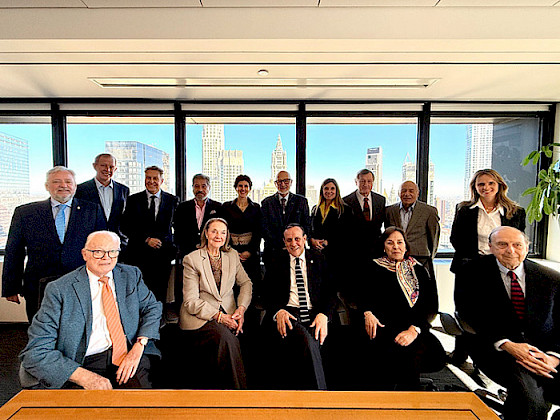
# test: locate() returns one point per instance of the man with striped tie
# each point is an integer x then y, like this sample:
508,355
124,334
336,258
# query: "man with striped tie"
513,305
300,300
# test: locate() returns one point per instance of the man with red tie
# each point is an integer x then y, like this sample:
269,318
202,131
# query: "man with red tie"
95,326
513,305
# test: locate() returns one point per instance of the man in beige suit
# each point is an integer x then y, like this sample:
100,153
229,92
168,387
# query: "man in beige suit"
420,222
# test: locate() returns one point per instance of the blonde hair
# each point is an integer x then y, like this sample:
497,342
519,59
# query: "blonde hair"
204,238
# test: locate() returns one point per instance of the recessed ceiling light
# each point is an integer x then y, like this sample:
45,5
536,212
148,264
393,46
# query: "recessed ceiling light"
263,72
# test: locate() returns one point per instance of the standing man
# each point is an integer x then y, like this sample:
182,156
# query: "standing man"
513,304
300,299
95,326
280,210
369,212
147,223
109,194
51,234
420,222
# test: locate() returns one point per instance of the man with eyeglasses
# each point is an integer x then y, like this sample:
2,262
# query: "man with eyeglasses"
513,305
95,327
280,210
51,234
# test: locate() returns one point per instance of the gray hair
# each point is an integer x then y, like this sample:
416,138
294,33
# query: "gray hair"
100,155
113,236
60,168
497,229
154,168
201,176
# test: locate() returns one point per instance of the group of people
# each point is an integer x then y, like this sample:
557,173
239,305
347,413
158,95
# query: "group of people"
335,259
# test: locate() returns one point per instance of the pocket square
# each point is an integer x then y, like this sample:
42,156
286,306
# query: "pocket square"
212,211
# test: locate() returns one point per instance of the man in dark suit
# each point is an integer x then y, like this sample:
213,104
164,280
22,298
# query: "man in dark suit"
514,306
147,223
109,194
51,234
278,211
300,299
368,208
420,222
75,342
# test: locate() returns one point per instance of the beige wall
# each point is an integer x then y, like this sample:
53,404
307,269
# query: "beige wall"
10,312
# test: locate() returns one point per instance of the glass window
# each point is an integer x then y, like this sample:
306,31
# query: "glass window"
459,149
136,143
25,157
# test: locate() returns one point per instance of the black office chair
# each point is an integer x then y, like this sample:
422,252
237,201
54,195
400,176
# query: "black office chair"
42,285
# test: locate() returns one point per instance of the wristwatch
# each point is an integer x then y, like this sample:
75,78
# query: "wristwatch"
142,340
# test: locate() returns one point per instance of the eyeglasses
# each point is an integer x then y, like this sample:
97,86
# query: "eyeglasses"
283,181
99,253
504,245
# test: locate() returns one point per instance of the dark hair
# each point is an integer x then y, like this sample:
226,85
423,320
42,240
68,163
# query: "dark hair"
201,176
293,225
204,238
154,168
388,232
365,172
243,178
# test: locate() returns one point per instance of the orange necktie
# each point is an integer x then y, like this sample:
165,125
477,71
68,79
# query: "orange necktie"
114,325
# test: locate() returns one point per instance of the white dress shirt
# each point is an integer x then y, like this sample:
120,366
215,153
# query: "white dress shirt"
105,196
361,201
67,211
294,300
486,224
157,200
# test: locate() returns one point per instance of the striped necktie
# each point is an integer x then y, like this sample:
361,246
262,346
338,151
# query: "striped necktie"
114,325
517,296
60,222
302,296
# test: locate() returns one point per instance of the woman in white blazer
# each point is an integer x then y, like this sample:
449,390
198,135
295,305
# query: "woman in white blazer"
210,315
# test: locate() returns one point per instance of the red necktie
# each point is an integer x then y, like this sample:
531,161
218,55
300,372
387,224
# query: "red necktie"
114,325
517,296
366,210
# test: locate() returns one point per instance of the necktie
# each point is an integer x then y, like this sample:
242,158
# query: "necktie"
114,325
60,222
517,297
283,202
303,307
366,210
153,207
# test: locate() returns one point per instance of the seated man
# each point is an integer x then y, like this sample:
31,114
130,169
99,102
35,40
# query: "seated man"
300,299
514,306
78,339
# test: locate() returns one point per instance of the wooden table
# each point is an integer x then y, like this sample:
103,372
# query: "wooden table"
243,405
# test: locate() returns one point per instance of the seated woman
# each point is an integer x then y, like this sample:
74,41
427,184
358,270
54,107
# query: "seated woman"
397,300
209,315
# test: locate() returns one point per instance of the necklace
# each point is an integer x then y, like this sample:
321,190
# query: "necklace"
217,257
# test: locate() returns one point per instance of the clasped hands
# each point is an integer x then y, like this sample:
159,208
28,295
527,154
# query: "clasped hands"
404,338
234,321
532,359
283,323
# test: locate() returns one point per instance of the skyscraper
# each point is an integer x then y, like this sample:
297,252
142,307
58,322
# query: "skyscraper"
408,169
479,152
279,160
230,165
213,143
374,162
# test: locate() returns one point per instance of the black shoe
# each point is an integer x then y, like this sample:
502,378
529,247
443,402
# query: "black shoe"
457,358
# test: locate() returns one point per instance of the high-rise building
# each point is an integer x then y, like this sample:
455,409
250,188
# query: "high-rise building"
279,160
133,158
374,162
431,177
213,143
231,165
408,169
479,152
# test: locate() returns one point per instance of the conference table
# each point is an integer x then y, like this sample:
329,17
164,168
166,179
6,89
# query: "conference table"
233,405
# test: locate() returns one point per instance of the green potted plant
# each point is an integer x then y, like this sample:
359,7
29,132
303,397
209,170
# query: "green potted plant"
546,195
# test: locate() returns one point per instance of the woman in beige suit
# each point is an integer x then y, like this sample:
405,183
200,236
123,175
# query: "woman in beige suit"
210,316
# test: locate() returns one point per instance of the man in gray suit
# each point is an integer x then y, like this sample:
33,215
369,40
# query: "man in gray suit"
420,222
74,341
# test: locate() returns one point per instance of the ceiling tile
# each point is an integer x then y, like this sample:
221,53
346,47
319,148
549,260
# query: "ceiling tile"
377,3
496,3
24,4
260,3
141,3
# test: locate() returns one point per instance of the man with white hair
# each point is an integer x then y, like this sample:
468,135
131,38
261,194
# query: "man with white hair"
51,234
95,325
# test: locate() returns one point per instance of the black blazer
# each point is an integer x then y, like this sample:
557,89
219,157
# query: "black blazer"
464,233
186,231
88,191
274,222
33,234
246,221
277,283
138,225
482,301
363,229
335,229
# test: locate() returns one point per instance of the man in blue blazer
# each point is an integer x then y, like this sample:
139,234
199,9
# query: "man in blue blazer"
109,194
51,234
70,341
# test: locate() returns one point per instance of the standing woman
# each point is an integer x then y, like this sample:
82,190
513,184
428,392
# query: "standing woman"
488,208
210,316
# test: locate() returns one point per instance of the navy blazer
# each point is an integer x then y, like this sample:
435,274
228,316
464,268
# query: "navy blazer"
187,233
274,222
363,229
33,234
88,191
60,332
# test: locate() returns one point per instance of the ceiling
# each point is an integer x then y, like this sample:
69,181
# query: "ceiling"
437,50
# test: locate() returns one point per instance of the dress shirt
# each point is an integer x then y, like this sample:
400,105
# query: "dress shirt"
56,209
99,340
361,201
486,223
105,196
406,214
287,197
294,300
157,200
200,212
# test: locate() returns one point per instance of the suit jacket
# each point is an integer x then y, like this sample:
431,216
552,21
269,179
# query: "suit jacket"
319,282
274,222
60,332
363,229
138,225
33,234
422,232
482,301
187,233
88,191
201,297
464,233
